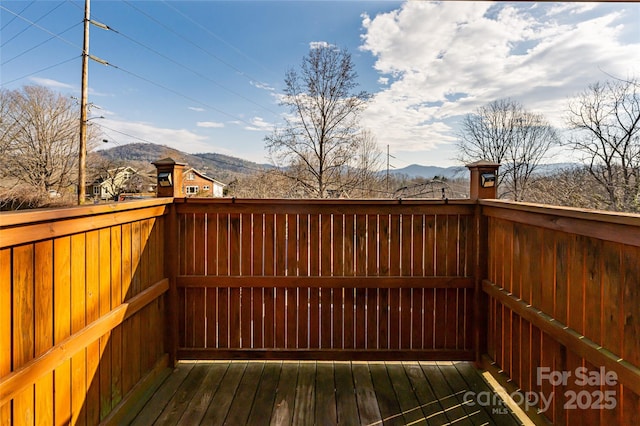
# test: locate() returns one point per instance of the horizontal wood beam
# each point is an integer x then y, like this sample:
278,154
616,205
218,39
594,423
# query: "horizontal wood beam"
27,233
322,282
16,381
329,354
333,207
619,228
628,374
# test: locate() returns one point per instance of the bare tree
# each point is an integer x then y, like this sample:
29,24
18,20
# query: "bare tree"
317,146
605,119
39,131
504,132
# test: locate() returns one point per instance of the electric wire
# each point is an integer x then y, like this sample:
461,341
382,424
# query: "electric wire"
39,44
33,23
15,16
5,83
42,28
239,71
195,72
217,37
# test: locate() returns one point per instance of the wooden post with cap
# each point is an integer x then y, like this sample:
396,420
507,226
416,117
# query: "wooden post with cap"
170,179
483,185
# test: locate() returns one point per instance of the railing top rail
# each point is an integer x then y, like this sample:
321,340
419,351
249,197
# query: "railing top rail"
326,201
22,217
567,212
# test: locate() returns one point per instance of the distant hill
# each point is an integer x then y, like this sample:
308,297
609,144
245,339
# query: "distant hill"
429,172
224,168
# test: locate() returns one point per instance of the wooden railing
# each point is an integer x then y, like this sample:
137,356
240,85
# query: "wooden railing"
325,279
96,301
81,310
564,298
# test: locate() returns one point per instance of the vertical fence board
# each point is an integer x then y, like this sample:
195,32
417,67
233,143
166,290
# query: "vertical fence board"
92,302
116,300
44,327
104,308
78,308
6,313
23,327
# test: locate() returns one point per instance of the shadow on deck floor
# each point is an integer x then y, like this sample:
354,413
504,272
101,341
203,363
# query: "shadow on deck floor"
323,393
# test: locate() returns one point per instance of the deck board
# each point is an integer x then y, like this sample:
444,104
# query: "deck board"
323,393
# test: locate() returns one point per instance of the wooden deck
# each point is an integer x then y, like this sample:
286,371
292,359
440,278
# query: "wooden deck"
321,393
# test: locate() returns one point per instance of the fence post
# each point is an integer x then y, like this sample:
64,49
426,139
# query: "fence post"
169,178
484,185
170,185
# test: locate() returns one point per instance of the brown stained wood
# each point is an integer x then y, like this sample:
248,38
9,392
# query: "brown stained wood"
302,324
235,256
280,325
23,327
246,244
631,290
245,317
92,313
116,301
199,244
155,406
428,402
348,245
360,330
612,297
345,394
55,224
263,404
303,245
211,303
212,243
337,249
429,319
388,404
405,318
349,318
314,245
5,325
257,244
245,395
325,318
417,315
223,244
360,245
430,245
43,328
373,328
304,404
441,240
269,317
104,308
284,401
292,317
394,318
384,253
451,403
368,409
78,293
201,398
280,244
223,318
453,248
496,410
338,326
418,245
325,394
174,408
407,400
372,245
223,398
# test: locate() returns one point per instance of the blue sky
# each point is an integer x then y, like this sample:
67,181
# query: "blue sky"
204,76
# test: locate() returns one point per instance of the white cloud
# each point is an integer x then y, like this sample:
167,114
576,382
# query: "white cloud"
259,125
54,84
446,59
210,124
263,86
125,132
319,45
196,109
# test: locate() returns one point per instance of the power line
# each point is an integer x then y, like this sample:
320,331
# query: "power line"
199,74
198,46
19,13
211,33
33,23
40,44
5,83
41,28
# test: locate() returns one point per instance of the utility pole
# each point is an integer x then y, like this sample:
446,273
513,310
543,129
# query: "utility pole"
82,151
388,166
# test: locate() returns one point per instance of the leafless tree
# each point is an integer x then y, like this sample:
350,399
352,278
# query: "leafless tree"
39,131
504,132
605,119
317,148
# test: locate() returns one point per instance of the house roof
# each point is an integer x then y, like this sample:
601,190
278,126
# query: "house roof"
203,176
